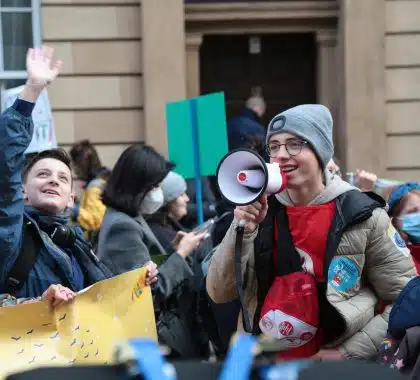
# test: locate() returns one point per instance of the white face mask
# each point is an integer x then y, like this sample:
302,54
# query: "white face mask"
152,202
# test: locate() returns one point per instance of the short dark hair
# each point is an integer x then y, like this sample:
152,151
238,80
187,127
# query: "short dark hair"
56,154
138,170
255,143
86,159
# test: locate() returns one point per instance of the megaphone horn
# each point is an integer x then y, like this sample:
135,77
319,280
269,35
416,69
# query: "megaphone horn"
251,178
243,176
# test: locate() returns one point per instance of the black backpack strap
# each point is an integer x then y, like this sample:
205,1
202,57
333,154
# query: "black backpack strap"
239,280
25,260
288,259
334,236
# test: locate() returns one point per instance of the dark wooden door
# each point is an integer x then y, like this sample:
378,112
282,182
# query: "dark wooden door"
284,69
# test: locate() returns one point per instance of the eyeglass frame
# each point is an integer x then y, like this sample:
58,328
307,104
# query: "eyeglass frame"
302,142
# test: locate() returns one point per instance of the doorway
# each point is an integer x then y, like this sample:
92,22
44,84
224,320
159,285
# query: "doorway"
281,66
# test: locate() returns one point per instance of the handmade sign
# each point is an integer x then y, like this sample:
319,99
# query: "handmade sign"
197,138
84,331
44,132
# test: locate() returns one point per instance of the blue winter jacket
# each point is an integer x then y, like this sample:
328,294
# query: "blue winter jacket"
52,265
243,126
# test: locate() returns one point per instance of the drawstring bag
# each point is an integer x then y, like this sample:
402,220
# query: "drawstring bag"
290,310
290,313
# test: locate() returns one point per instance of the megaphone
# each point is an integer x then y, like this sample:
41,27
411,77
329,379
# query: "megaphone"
243,176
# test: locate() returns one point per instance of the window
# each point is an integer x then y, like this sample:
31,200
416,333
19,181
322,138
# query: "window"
19,29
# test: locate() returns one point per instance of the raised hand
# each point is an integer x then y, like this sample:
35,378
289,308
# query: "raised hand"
41,72
366,180
40,67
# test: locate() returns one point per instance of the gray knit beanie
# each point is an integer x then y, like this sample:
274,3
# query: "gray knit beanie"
173,186
311,122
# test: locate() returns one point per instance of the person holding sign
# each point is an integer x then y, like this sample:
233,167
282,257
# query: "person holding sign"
38,246
56,295
317,257
126,242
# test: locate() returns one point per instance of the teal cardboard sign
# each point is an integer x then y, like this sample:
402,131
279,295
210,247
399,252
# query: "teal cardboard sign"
198,123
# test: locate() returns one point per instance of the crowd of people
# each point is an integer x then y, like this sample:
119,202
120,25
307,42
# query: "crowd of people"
326,257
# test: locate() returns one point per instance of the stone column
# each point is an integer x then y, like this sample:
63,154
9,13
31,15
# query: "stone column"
193,44
164,73
362,110
327,79
327,68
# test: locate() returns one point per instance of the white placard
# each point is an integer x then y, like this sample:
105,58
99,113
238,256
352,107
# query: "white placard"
44,133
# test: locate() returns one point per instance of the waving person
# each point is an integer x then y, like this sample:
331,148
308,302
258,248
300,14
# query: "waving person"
38,247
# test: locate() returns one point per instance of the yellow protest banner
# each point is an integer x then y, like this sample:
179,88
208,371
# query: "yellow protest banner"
82,332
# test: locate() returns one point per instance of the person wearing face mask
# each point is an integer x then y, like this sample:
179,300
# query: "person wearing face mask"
126,242
404,209
165,223
317,257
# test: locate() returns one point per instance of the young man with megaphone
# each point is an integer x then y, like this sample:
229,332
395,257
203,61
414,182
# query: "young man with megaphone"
315,258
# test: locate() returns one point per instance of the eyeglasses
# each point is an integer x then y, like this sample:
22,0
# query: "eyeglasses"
293,147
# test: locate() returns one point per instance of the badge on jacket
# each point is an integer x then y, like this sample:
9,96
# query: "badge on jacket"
343,274
397,240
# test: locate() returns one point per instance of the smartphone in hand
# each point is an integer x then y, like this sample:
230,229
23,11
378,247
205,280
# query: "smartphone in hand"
206,226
